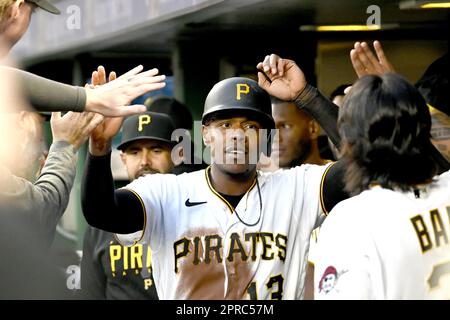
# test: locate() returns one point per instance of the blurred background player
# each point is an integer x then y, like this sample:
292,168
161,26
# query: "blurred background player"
390,241
296,138
184,155
110,270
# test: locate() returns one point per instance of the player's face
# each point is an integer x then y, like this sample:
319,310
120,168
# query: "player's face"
234,144
147,157
292,143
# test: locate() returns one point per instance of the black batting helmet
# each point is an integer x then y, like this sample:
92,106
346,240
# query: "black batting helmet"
239,95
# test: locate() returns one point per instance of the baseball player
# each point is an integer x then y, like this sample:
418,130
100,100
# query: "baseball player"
392,240
109,269
227,232
297,135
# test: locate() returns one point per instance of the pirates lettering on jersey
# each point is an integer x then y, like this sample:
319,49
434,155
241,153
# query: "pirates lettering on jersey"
129,259
438,236
209,248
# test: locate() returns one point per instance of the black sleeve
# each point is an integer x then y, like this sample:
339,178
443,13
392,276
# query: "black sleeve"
322,110
333,187
47,95
119,211
442,165
93,278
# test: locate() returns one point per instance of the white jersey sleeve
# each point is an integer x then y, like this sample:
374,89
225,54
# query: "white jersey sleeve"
307,192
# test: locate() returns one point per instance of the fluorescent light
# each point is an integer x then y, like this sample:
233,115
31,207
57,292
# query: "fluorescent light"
349,27
354,27
424,4
442,5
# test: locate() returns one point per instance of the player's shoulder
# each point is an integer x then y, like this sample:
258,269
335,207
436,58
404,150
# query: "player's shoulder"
357,208
294,172
169,178
192,176
444,179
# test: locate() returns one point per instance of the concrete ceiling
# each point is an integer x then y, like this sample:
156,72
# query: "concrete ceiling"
282,18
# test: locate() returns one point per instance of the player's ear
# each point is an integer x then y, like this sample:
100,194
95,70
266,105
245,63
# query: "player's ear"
206,135
177,155
314,129
123,158
15,8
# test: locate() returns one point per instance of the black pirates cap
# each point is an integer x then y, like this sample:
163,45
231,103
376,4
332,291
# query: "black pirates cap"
148,125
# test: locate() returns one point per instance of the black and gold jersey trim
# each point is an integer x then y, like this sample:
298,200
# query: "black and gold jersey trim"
322,202
208,181
144,212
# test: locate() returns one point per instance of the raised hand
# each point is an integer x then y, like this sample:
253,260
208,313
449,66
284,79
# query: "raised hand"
281,78
74,128
364,61
112,99
101,137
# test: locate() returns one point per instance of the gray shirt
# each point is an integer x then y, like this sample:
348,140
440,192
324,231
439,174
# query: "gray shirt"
44,201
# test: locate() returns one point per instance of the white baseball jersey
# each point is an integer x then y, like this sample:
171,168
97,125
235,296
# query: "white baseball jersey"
201,250
385,244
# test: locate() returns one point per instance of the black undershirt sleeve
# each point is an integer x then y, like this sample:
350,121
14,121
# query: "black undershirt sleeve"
48,95
333,188
322,110
117,211
326,113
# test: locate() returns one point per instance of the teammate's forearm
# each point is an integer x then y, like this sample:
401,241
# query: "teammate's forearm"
322,110
117,211
47,95
99,148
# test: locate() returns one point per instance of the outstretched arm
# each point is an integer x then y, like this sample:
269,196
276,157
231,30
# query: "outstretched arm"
285,80
117,211
111,99
282,78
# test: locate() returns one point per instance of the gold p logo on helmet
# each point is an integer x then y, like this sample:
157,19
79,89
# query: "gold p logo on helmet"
241,88
144,119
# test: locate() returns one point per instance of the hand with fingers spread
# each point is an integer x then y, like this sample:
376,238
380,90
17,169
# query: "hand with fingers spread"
74,128
364,61
112,99
281,78
102,135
